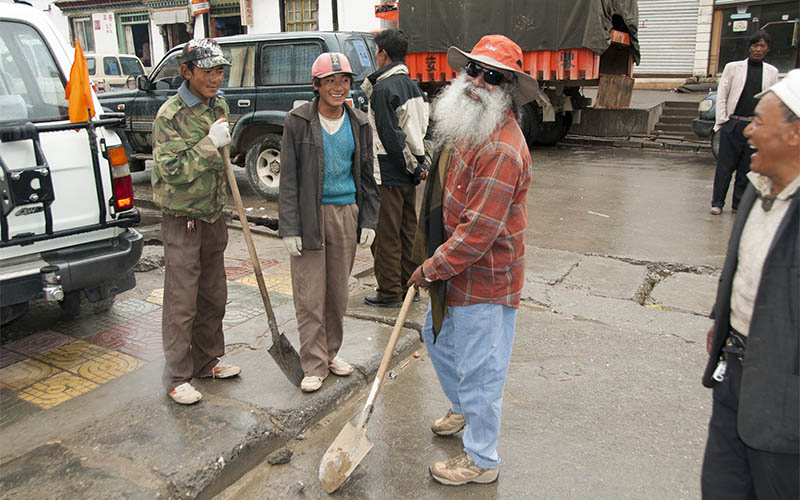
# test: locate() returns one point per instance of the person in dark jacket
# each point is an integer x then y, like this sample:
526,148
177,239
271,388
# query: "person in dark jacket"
327,203
754,345
398,114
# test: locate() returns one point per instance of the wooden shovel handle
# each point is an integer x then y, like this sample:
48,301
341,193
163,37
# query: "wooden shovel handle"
248,238
387,357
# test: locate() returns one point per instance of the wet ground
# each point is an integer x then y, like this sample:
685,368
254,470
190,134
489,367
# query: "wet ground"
603,393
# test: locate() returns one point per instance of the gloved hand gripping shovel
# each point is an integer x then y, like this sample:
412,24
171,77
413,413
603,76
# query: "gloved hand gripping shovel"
352,443
282,350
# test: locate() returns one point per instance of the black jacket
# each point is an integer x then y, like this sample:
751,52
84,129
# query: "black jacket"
769,399
398,114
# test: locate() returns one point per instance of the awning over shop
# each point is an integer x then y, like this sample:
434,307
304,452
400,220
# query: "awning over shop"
171,16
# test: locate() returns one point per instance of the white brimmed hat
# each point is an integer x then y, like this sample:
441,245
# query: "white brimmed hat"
787,90
499,52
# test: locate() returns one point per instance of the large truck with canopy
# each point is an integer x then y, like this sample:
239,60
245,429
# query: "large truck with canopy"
566,46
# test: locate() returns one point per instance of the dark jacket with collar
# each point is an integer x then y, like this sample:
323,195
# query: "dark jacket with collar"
398,114
303,174
768,415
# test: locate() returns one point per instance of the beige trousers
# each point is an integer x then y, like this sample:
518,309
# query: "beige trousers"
319,287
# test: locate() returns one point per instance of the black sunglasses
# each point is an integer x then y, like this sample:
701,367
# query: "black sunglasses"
490,76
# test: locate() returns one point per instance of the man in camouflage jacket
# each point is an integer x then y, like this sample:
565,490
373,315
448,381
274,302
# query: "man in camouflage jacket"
190,187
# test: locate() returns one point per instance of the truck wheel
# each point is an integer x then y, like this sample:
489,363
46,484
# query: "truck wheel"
75,305
529,120
263,165
715,144
549,133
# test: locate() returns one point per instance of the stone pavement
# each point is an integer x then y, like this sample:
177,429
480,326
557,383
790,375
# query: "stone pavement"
83,414
82,411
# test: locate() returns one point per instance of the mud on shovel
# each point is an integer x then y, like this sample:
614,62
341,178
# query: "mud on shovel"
282,350
352,444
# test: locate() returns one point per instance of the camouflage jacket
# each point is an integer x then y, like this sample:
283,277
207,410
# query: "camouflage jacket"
188,177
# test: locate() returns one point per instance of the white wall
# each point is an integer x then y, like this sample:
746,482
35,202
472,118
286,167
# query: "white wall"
266,17
705,16
105,36
354,15
156,44
358,15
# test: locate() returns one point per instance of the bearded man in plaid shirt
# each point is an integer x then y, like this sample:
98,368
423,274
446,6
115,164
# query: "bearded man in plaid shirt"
471,246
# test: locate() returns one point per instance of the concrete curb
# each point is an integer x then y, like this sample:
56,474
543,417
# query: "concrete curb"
636,142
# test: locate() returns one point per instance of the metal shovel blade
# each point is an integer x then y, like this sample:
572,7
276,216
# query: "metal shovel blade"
287,359
343,456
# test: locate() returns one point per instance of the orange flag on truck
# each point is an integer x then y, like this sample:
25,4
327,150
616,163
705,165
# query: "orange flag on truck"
79,89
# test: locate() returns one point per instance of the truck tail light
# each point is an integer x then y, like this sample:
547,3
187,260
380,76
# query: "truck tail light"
120,179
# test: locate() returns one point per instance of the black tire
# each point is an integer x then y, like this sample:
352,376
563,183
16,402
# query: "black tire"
529,118
263,165
715,144
549,133
76,305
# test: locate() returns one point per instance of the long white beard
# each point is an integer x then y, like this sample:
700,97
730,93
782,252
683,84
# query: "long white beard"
460,119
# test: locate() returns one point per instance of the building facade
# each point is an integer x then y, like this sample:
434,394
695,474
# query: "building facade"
149,28
696,38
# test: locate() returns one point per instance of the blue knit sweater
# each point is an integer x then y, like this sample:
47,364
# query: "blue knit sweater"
338,187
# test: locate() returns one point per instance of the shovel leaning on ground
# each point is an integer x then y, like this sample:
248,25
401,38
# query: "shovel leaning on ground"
282,350
352,443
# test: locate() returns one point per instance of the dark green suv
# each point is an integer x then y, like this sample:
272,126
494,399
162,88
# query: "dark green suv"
269,75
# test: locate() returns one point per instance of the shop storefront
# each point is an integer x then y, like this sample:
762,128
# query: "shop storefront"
225,19
735,21
667,37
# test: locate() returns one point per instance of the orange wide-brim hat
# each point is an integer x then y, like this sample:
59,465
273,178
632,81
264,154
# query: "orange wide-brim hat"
499,52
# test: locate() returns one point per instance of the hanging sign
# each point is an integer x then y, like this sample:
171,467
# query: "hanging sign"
199,7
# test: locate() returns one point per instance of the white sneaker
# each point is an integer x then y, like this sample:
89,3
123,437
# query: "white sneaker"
311,383
340,367
185,394
222,370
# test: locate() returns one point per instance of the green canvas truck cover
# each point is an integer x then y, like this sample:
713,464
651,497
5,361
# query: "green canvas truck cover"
435,25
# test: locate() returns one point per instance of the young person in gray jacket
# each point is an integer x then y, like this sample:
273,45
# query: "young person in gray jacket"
327,203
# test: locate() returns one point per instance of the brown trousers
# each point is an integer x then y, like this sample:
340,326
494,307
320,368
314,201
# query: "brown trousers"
320,288
195,292
394,239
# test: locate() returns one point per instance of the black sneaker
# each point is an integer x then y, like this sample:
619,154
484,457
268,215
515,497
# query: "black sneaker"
374,300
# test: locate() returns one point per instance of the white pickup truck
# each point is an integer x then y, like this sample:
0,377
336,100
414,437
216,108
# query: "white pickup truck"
66,197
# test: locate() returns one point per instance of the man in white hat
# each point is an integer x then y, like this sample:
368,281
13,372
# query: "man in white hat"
471,247
754,345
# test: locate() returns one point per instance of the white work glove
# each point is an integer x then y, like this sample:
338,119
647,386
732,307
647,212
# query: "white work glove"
220,133
367,237
294,245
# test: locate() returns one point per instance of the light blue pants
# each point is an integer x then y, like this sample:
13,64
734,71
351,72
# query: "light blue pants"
471,357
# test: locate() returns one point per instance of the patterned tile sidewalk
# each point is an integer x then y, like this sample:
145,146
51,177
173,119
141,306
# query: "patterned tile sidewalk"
50,360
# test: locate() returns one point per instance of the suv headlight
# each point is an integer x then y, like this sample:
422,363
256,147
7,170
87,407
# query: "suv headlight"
705,105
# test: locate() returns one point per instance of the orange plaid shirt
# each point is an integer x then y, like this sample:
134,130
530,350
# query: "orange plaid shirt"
485,214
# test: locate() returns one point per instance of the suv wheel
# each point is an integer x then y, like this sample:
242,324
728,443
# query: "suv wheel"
263,165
